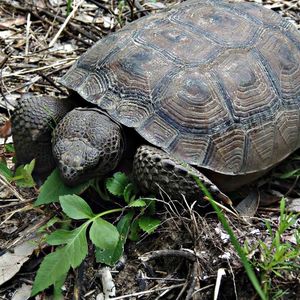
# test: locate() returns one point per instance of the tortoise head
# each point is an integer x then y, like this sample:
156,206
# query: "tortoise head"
86,143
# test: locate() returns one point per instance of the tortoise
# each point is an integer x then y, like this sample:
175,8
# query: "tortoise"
211,87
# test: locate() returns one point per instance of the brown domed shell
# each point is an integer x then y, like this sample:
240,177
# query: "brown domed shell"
217,84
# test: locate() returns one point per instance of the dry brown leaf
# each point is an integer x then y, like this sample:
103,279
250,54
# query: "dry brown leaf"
20,20
11,262
5,130
6,34
290,238
248,206
57,2
22,293
269,199
294,205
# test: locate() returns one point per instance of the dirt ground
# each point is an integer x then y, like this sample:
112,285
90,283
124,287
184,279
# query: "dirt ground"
190,252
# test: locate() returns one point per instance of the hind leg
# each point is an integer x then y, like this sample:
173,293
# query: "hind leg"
154,169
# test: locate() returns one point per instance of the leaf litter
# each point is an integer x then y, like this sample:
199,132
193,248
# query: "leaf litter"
32,58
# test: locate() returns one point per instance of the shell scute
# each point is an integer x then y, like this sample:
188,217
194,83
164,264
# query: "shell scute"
192,103
219,23
283,57
174,44
225,152
248,86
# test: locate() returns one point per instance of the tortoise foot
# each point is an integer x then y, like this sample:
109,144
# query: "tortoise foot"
156,171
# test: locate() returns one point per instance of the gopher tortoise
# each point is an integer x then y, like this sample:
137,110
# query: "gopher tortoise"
211,87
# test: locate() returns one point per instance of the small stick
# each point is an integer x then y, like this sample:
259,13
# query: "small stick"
148,292
192,278
220,274
27,34
4,182
106,9
17,203
48,79
67,61
66,31
74,26
65,23
162,253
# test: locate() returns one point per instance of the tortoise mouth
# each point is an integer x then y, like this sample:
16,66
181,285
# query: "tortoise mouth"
70,175
73,176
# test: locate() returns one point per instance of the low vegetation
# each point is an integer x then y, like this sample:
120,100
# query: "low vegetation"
79,226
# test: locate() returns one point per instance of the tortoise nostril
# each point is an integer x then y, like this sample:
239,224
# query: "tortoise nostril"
69,173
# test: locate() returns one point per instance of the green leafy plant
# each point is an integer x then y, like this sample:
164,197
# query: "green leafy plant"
108,239
73,243
22,176
278,257
69,6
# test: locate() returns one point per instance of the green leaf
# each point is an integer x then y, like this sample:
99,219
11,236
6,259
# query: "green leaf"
57,291
137,203
148,224
75,240
69,6
9,148
53,267
116,184
123,225
29,167
134,230
151,205
77,247
129,192
50,223
5,171
60,237
111,257
23,177
104,235
75,207
76,243
54,187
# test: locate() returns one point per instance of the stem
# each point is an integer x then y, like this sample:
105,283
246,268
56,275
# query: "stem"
107,212
111,211
15,178
96,187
